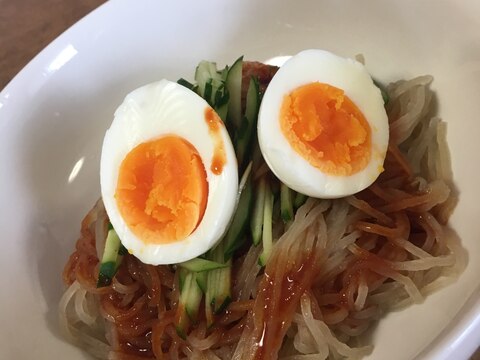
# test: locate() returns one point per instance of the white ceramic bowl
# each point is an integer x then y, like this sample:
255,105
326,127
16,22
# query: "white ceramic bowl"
53,116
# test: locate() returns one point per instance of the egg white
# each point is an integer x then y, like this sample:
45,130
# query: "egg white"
147,113
289,166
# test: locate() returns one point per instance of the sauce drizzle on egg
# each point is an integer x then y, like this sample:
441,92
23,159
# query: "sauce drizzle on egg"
219,157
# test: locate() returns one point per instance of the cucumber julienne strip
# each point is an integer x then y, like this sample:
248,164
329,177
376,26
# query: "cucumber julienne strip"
286,203
222,111
210,283
300,199
208,91
188,304
245,134
182,274
256,223
235,236
108,265
204,72
224,73
212,276
211,86
186,83
118,263
234,86
122,250
218,285
223,296
218,293
220,97
202,280
267,236
200,265
182,322
244,180
192,296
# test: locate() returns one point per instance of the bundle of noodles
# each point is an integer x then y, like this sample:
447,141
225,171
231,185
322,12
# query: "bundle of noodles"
336,269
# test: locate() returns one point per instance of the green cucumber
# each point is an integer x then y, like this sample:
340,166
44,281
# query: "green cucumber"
253,99
224,73
286,203
218,293
223,295
193,296
211,86
182,322
207,93
256,222
118,262
267,237
122,250
222,107
209,296
200,265
221,101
246,131
244,180
235,236
204,73
108,265
202,280
187,84
234,86
182,274
188,304
218,281
299,200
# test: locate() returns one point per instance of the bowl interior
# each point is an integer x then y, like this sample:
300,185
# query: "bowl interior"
53,116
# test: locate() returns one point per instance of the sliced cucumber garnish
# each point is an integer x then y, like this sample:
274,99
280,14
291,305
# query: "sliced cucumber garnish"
110,260
234,87
267,236
200,265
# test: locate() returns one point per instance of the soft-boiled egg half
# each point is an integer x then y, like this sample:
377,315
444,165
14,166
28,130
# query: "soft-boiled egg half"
168,174
322,125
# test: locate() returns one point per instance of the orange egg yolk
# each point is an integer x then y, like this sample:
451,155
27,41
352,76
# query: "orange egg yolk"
162,190
326,128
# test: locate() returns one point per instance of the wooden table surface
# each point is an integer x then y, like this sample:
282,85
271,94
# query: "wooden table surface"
27,26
